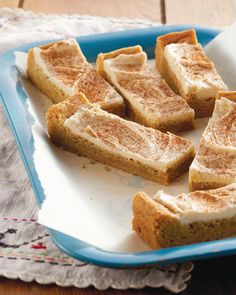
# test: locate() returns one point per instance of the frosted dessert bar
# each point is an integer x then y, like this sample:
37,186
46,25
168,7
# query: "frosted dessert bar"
89,131
215,163
189,72
60,70
166,220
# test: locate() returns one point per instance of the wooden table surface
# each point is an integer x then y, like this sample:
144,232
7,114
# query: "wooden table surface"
216,276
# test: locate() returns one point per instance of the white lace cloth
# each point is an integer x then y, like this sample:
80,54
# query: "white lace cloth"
26,250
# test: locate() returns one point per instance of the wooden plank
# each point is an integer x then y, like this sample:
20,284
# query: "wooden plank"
212,13
116,8
9,3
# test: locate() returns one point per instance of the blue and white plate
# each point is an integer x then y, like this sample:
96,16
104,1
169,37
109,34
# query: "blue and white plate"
28,129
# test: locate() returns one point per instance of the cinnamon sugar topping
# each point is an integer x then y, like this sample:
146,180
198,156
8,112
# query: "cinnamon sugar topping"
221,129
154,95
195,62
216,157
95,88
128,138
145,90
200,205
66,63
64,53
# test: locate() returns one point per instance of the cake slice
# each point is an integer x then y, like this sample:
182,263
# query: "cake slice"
201,216
87,130
60,70
149,99
186,68
215,163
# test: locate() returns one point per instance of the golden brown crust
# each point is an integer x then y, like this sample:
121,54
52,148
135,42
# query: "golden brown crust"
112,54
58,113
188,36
159,227
231,95
147,220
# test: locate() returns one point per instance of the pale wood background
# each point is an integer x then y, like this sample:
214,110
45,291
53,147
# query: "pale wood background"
210,277
204,12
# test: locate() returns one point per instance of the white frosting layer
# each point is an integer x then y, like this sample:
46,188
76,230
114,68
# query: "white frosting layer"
57,82
112,75
156,156
134,68
189,209
216,157
203,84
145,90
78,61
200,173
220,132
137,60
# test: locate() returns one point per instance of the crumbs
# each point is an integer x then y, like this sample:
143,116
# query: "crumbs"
92,162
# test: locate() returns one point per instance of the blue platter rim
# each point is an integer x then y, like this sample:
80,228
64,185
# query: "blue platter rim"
13,100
